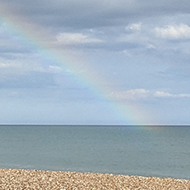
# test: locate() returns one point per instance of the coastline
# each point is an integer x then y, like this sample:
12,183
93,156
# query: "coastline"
38,179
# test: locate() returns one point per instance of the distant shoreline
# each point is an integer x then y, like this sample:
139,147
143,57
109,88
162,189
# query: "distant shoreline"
38,179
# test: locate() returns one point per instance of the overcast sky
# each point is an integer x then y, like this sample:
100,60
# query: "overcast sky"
95,62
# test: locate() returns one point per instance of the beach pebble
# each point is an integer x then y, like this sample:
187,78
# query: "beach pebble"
12,179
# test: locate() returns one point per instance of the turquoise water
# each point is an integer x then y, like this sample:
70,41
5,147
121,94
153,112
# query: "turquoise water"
131,150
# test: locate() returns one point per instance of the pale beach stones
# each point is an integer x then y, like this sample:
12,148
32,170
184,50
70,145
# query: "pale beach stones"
13,179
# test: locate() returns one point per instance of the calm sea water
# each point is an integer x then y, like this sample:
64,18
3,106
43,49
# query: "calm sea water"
131,150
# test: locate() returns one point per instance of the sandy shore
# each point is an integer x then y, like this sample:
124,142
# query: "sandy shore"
48,180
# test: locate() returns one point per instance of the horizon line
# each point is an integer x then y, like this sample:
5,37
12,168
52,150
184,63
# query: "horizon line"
97,125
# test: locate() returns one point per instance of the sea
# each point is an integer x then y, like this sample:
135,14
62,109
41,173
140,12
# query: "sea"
161,151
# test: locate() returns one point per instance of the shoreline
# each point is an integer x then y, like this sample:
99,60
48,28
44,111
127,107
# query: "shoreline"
41,179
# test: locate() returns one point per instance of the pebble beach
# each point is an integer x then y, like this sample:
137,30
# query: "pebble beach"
13,179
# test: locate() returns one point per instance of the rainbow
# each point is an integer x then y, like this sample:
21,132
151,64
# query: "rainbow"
36,37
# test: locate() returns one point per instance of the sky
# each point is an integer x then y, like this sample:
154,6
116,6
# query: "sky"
116,62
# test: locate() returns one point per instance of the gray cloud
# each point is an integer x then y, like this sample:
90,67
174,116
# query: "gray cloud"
90,14
110,22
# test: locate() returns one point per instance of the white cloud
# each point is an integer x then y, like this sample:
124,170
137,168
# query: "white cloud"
20,68
181,31
163,94
10,65
134,27
136,94
76,38
130,94
54,69
137,36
